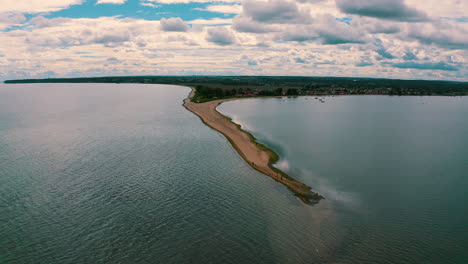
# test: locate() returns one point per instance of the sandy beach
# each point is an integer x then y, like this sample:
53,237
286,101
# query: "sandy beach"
256,155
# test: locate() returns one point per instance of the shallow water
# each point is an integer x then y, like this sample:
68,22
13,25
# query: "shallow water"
394,169
122,173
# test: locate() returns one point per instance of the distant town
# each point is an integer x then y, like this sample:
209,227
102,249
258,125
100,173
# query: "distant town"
217,87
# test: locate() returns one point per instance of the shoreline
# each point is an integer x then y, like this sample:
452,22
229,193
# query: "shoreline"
256,155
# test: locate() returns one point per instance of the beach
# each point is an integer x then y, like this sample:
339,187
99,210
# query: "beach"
258,156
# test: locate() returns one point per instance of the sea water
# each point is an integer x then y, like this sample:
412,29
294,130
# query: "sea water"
122,173
395,169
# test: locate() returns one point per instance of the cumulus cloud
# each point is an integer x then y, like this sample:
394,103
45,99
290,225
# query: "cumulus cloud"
376,26
221,36
326,30
275,11
174,24
441,33
383,9
246,24
306,37
437,8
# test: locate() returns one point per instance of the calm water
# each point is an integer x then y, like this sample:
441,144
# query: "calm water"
124,174
394,168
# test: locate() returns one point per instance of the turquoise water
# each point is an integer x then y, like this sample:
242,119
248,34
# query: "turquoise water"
395,169
122,173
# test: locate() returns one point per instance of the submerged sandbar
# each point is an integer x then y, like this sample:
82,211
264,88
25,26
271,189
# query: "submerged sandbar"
255,154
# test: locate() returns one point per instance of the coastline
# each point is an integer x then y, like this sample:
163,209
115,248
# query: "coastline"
258,156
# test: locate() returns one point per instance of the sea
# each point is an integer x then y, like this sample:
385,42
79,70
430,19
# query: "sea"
123,173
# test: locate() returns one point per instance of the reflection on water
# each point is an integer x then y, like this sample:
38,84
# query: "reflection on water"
124,174
390,168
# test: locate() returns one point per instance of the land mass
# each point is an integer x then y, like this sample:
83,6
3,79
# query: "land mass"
217,87
258,156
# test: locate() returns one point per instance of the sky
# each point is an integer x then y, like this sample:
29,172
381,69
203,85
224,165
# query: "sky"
405,39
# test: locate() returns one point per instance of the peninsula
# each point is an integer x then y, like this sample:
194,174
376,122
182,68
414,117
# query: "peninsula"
210,91
258,156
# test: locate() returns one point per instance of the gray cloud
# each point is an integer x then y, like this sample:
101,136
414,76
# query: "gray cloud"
425,66
174,24
11,18
275,11
384,9
42,22
246,24
375,26
221,36
443,34
325,30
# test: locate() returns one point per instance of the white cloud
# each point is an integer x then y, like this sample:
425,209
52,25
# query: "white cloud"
225,9
302,36
149,4
9,19
117,2
36,6
437,8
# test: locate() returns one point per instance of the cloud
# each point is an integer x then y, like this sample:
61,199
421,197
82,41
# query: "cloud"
376,26
246,24
174,24
437,8
117,2
225,9
275,11
325,30
444,34
384,9
8,19
149,4
221,36
303,39
42,22
36,6
425,66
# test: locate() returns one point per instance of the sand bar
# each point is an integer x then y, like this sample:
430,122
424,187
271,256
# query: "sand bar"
256,155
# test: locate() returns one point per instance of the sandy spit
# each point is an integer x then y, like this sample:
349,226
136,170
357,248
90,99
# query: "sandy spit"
256,155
